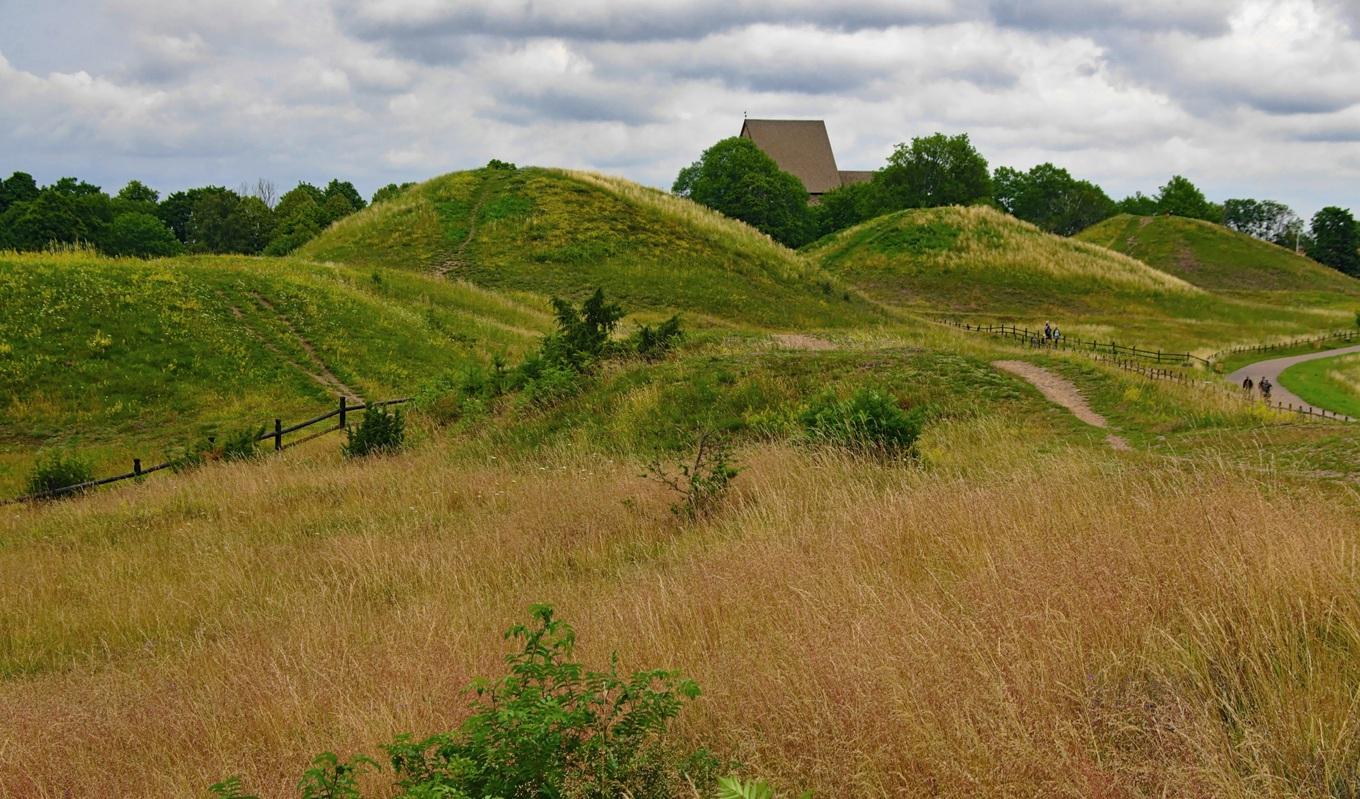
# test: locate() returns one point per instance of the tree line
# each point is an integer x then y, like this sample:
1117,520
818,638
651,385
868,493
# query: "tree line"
738,179
251,220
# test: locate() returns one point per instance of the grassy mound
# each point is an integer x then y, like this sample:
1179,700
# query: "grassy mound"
980,259
1215,258
132,354
555,232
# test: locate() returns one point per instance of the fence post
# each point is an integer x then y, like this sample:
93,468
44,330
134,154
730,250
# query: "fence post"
278,434
342,411
137,466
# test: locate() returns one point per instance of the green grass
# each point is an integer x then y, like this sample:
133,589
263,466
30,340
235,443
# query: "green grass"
976,263
1218,259
121,358
555,232
1331,383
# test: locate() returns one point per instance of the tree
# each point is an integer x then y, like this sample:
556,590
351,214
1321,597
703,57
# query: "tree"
933,171
1180,197
298,219
1336,240
1137,203
1264,219
1050,198
336,207
51,218
210,227
847,206
389,191
142,235
736,178
252,225
176,209
138,192
19,187
344,188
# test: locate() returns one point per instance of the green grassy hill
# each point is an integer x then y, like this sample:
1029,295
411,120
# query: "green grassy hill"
1215,258
117,357
556,232
980,263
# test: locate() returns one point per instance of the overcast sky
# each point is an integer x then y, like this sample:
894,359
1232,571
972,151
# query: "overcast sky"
1255,98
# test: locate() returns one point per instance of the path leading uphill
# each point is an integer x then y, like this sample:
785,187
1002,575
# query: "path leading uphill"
1272,368
1060,391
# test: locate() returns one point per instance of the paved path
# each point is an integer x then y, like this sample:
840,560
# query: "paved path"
1059,390
1273,367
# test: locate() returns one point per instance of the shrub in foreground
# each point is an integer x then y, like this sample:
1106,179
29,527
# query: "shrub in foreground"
381,431
869,421
702,484
548,728
56,471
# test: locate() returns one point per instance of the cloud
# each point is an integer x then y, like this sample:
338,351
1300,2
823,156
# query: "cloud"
1240,95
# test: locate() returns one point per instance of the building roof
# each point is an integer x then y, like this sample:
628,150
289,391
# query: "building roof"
849,176
798,146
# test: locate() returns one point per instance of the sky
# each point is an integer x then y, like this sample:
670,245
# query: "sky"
1248,98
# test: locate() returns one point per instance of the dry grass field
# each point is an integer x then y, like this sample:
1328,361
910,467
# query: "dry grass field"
1076,623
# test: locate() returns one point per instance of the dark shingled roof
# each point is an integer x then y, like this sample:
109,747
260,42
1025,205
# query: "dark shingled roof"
798,146
849,176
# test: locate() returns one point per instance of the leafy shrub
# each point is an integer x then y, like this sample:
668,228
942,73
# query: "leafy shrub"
241,445
653,343
548,728
496,163
867,422
733,788
582,334
381,431
230,788
702,483
56,471
551,384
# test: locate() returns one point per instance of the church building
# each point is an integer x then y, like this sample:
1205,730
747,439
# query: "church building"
802,148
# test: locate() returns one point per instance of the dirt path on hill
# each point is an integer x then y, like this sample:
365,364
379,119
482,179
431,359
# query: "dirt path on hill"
319,371
1272,368
1060,391
802,341
459,257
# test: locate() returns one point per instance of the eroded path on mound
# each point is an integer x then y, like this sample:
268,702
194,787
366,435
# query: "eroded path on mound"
459,257
316,369
1061,391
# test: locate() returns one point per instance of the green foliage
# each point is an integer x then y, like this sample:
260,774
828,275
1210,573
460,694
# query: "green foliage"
56,471
19,187
653,343
1336,240
849,205
138,192
1180,197
1263,219
582,334
1049,197
869,421
503,166
141,235
735,788
240,445
737,179
389,191
1138,204
933,171
702,483
381,431
548,729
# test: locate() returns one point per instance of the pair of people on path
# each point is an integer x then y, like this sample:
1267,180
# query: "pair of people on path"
1051,332
1264,385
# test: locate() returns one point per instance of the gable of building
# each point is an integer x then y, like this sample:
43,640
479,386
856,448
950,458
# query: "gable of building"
800,147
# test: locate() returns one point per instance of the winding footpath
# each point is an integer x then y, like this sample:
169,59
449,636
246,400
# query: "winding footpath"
1272,369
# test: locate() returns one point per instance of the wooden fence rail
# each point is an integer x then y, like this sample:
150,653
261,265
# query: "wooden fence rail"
1036,338
1339,335
276,434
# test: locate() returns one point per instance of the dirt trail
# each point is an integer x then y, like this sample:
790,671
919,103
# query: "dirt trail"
802,341
459,257
318,372
1060,391
1272,368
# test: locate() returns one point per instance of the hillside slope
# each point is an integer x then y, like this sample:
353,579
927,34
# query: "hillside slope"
1213,257
556,232
97,351
982,263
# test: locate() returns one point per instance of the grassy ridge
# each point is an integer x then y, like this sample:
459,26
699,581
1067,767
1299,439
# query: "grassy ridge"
1218,259
981,263
555,232
121,357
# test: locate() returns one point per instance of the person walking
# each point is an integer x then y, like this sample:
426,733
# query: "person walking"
1265,388
1048,332
1057,335
1247,386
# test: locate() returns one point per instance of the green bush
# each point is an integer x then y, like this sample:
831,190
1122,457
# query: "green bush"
702,484
241,445
381,431
56,471
867,422
549,729
582,335
653,343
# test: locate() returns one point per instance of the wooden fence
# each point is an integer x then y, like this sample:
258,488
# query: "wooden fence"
277,434
1036,338
1339,335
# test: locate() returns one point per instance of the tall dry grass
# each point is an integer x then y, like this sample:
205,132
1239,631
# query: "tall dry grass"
1080,624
